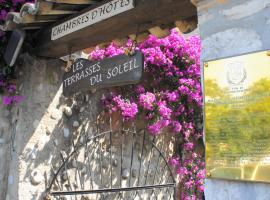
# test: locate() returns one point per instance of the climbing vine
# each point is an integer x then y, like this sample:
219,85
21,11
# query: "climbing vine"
169,98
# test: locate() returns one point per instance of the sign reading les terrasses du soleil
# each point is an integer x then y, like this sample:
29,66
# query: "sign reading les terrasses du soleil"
114,71
90,17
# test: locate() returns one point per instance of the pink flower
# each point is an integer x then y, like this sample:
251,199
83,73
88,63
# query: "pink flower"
155,128
190,197
140,89
201,174
172,96
129,110
187,134
201,188
174,161
182,171
176,126
164,111
18,99
3,15
188,146
7,100
189,184
184,89
113,50
147,100
12,88
98,54
150,116
194,155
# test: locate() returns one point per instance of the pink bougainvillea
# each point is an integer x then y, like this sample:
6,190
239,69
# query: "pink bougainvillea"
170,97
147,100
10,97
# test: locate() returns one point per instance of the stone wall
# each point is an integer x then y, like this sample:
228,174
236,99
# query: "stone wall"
34,124
33,134
228,28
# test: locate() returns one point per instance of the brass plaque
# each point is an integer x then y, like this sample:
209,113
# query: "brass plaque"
237,117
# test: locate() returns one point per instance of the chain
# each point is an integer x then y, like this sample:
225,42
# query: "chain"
69,62
131,51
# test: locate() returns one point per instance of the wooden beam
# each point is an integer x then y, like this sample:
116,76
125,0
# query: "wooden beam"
182,25
139,37
65,6
29,19
121,42
186,26
74,1
146,14
46,8
194,2
49,17
157,31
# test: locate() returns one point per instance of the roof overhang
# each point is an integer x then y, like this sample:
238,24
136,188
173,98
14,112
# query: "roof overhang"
46,14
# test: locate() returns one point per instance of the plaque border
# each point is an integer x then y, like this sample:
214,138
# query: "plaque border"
204,64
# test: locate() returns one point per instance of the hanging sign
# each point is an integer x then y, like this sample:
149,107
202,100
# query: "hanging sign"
116,71
93,16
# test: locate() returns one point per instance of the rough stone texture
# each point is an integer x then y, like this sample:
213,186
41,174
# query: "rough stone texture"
231,28
226,40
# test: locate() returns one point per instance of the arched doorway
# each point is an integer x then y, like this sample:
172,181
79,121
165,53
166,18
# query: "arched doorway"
122,164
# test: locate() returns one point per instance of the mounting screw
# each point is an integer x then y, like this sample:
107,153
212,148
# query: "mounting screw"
205,64
268,53
208,174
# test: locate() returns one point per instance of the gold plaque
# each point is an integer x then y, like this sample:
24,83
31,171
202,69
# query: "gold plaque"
237,117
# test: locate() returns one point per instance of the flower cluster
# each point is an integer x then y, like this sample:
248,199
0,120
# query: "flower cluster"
128,110
9,89
169,98
10,97
192,174
147,100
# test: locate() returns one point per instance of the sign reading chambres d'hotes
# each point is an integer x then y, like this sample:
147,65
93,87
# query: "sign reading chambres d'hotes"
90,17
116,71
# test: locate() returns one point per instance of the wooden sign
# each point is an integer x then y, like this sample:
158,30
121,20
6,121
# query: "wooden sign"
116,71
90,17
